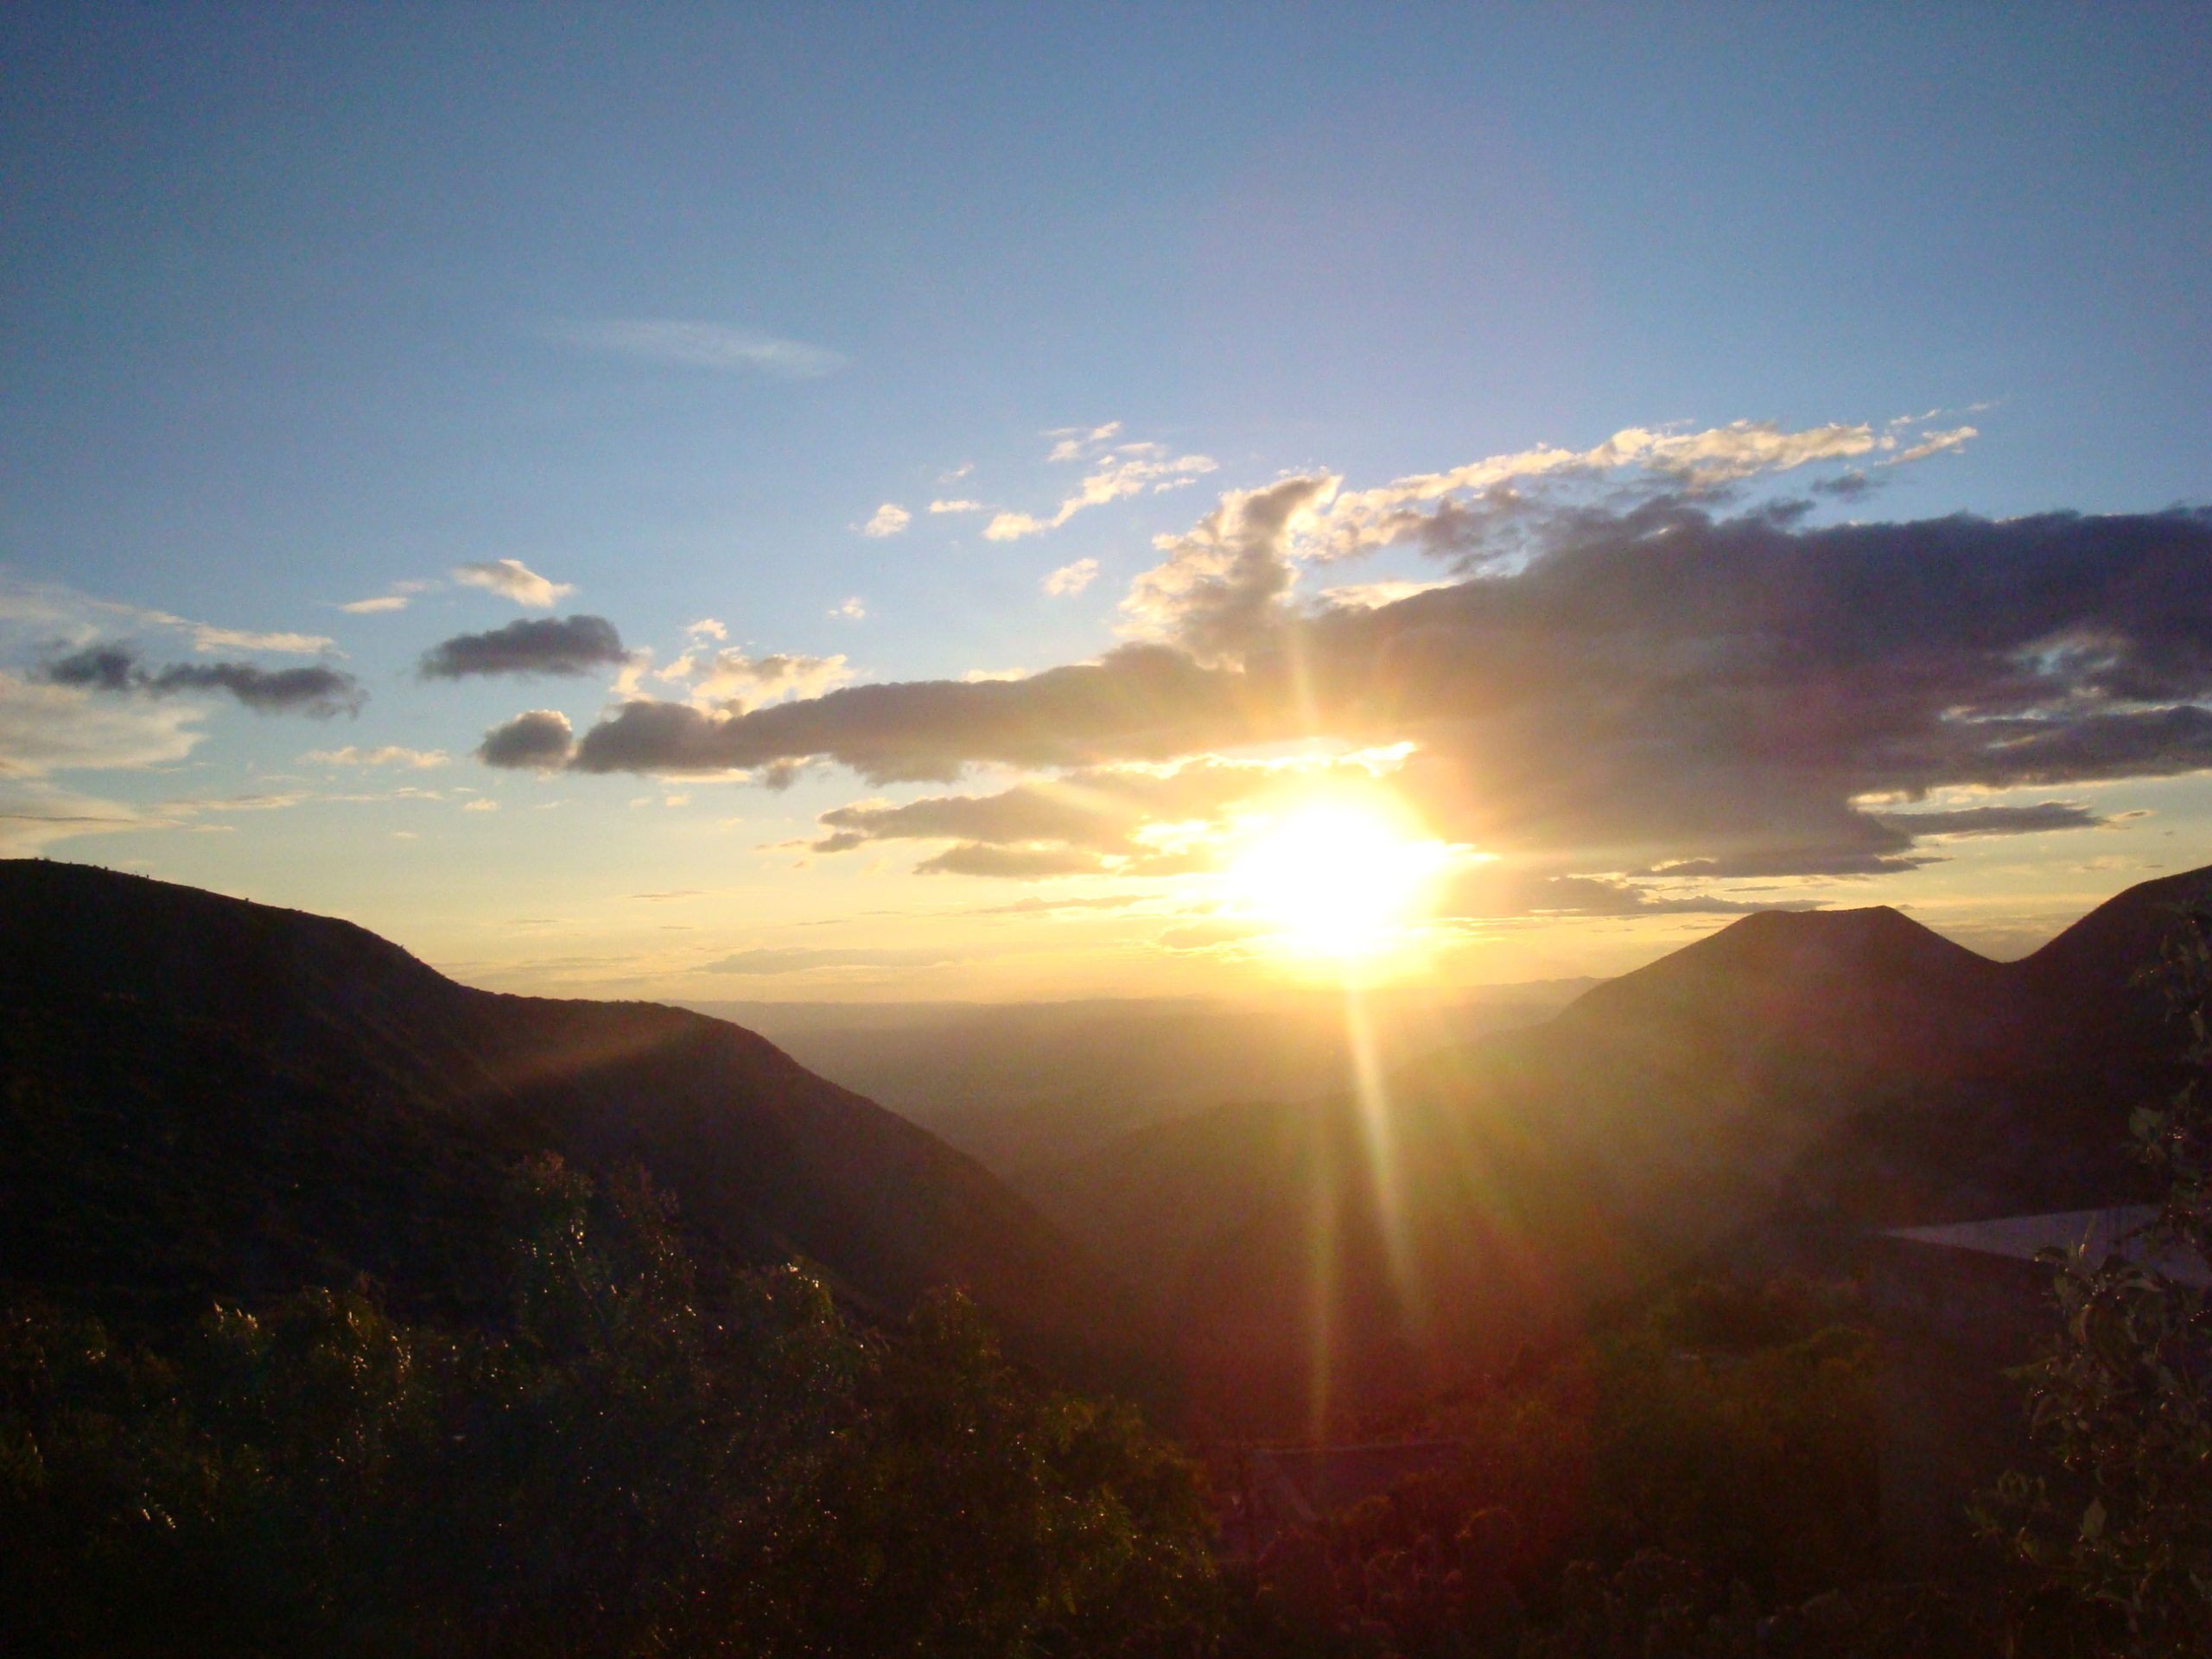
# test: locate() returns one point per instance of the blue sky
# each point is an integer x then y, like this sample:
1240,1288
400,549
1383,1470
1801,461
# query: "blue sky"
664,303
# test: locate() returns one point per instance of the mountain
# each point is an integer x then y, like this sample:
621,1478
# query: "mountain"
1764,1095
208,1097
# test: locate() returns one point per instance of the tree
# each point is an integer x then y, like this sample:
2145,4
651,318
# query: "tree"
2122,1404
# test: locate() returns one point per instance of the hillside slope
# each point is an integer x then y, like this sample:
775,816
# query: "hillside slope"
204,1096
1771,1090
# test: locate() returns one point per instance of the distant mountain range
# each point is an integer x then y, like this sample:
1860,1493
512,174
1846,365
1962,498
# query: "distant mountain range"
205,1097
1765,1094
1020,1085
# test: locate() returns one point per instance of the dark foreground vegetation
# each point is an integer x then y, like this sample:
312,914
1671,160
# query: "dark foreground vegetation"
621,1465
631,1458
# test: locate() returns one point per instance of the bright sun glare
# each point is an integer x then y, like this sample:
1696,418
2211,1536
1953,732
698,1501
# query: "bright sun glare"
1337,879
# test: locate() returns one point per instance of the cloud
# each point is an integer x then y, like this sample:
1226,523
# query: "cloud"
513,578
1035,907
707,628
1102,809
700,346
734,682
1994,820
956,506
192,808
1935,443
389,754
1630,669
45,727
207,637
1218,589
540,738
890,518
1656,688
71,618
1074,440
1071,578
1205,935
1490,892
318,692
567,645
1139,701
1018,864
852,610
1130,470
1140,820
375,606
1371,595
1437,508
34,815
795,959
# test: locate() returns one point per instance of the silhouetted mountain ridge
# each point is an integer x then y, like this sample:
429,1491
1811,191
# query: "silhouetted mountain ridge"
1766,1093
206,1096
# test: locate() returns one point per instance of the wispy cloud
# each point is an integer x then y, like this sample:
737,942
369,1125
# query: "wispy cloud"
1034,905
62,728
398,597
700,346
956,506
1075,440
74,617
1122,470
795,959
513,578
1071,578
1935,443
851,611
33,815
389,754
205,637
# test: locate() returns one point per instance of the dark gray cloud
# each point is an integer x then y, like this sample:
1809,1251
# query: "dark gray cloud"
1994,820
545,645
1652,687
1664,683
98,668
539,738
317,691
1138,702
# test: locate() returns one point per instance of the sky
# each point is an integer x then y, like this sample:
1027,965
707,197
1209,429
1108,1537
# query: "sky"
964,502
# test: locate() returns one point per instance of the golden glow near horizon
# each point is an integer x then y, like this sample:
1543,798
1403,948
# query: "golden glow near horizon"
1337,878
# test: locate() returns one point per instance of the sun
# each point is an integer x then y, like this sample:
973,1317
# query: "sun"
1337,878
